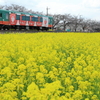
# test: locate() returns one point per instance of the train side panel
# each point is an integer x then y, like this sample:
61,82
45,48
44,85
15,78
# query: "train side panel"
4,17
45,22
50,24
1,18
12,19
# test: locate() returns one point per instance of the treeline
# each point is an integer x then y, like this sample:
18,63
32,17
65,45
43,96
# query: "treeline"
62,22
75,23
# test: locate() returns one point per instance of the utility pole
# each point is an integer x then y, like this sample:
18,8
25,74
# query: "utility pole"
47,10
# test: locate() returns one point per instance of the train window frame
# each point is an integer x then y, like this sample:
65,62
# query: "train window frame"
24,18
0,15
41,19
50,20
7,16
17,17
27,18
35,19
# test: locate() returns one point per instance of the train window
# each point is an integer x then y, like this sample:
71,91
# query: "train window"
23,17
17,17
49,20
35,19
41,19
27,18
7,16
0,15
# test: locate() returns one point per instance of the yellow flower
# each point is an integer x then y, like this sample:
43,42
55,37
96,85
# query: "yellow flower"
87,99
68,81
69,59
39,75
61,63
42,69
94,97
79,78
71,88
68,95
32,90
48,66
95,62
9,86
77,95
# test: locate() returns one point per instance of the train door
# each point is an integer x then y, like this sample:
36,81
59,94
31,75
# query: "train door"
5,18
23,20
31,22
39,22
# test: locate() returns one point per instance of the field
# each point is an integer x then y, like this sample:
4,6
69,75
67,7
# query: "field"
50,66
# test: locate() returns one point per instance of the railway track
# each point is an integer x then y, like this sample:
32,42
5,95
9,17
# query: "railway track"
26,31
32,31
18,31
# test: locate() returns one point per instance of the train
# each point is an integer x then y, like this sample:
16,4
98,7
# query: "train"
22,20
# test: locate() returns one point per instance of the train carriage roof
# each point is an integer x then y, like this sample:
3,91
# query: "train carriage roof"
25,13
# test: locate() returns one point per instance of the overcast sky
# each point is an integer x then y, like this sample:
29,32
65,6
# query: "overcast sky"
89,9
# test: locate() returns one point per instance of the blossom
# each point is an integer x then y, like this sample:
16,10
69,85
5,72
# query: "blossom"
77,95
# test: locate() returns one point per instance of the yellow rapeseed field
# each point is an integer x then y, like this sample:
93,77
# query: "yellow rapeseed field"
50,66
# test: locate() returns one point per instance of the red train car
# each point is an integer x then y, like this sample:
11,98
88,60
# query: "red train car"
21,20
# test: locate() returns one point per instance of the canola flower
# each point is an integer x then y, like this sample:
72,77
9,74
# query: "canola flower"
50,66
